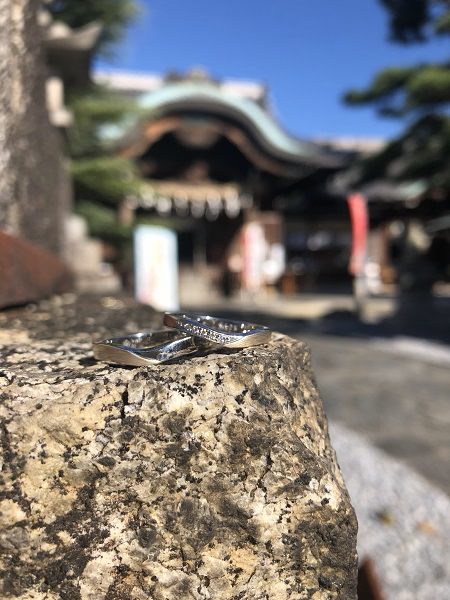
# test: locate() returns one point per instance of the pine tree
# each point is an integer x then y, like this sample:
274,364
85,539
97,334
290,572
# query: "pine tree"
101,178
419,94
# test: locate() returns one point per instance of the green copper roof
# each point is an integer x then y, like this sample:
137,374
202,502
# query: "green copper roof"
207,93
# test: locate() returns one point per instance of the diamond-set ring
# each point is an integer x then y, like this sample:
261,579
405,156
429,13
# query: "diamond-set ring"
225,332
190,334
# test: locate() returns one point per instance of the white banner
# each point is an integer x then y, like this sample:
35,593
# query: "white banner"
156,267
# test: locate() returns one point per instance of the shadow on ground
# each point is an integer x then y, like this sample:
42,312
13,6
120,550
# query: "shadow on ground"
425,318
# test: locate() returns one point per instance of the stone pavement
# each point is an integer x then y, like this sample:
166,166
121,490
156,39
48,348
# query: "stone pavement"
384,381
404,522
399,402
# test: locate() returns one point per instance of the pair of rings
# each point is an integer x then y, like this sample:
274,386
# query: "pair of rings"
189,334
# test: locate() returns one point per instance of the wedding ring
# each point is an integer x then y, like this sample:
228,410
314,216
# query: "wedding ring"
223,332
145,348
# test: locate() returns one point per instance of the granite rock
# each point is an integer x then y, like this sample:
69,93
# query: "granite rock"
209,478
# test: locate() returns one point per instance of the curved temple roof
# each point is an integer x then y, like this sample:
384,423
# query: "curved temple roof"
206,95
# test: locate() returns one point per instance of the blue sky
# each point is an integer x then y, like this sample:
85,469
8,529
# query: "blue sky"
307,51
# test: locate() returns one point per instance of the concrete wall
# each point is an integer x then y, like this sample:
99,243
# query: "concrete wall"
34,186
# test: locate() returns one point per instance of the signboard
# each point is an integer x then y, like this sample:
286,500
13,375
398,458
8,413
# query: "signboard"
156,267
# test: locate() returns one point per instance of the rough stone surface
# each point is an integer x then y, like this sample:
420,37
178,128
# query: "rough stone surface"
34,186
211,478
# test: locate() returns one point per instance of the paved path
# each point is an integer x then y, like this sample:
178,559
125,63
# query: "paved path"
404,522
399,402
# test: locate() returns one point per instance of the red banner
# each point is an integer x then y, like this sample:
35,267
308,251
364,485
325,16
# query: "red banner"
357,205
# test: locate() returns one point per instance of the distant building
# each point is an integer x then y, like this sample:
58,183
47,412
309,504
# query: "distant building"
357,145
252,204
216,161
134,85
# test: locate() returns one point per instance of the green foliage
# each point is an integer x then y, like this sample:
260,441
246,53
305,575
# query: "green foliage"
384,88
421,153
413,20
101,177
115,15
442,24
95,110
103,223
397,91
421,92
429,86
105,179
99,174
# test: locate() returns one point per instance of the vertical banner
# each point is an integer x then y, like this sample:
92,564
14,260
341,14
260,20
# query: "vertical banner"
357,205
254,249
156,267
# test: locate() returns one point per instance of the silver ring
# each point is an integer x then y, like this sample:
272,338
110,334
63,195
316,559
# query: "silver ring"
223,332
145,348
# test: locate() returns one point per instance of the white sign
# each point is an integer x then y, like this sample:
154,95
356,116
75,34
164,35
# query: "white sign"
156,267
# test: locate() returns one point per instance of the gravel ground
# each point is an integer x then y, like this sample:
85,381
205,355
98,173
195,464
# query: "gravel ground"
397,401
404,521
